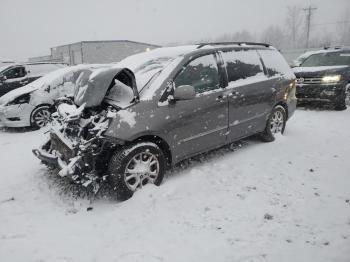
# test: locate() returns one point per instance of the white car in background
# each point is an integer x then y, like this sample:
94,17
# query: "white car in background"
15,75
30,105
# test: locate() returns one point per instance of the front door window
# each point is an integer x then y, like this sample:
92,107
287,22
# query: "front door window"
201,73
16,72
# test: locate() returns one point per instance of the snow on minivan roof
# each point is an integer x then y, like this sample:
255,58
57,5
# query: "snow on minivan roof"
147,64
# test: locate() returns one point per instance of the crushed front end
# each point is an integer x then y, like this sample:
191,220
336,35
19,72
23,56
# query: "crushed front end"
76,145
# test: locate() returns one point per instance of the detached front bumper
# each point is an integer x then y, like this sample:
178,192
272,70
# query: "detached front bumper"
56,160
57,153
329,93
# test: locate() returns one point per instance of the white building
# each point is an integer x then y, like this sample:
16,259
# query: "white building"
94,52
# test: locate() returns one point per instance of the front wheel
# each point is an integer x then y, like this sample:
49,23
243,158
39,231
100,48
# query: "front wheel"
340,105
135,166
275,124
41,116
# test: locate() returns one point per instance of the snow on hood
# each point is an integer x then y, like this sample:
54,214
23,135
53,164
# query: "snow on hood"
316,68
52,79
8,97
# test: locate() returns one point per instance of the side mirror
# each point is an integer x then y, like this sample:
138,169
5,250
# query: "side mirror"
185,92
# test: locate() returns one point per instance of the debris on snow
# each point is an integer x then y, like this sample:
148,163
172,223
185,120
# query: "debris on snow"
268,216
8,200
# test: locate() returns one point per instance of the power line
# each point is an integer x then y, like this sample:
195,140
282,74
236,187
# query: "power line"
309,11
332,23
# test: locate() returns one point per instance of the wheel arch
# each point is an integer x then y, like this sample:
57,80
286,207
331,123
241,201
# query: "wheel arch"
35,108
163,145
284,105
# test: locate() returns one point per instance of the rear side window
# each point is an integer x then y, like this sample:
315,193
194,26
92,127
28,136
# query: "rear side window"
16,72
275,63
201,73
242,65
43,69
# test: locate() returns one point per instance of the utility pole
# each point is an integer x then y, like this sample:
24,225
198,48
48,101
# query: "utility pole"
309,11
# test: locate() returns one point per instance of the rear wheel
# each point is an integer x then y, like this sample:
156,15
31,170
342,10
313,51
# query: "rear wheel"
135,166
40,116
275,124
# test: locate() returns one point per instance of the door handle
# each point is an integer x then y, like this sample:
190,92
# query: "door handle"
24,82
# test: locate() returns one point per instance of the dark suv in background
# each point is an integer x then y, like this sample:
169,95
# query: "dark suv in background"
324,77
13,76
128,123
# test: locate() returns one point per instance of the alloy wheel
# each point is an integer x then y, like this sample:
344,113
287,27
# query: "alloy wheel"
277,122
143,168
41,117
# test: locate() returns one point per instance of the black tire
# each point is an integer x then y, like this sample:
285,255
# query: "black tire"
347,91
40,110
122,159
340,105
269,135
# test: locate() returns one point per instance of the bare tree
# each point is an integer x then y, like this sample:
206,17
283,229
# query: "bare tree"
274,35
294,25
243,35
343,28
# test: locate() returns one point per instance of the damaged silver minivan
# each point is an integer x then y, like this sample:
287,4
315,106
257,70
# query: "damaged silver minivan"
127,124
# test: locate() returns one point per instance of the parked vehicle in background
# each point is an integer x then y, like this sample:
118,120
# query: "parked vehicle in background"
127,127
30,105
324,77
13,76
300,59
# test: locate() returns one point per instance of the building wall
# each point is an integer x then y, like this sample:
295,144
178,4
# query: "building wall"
93,52
70,54
111,51
47,58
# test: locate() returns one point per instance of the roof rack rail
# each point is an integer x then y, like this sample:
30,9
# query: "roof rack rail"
200,45
336,47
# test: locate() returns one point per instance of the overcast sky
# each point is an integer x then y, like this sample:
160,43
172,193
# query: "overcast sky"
31,27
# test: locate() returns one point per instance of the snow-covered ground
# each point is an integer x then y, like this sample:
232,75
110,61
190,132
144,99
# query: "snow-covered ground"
282,201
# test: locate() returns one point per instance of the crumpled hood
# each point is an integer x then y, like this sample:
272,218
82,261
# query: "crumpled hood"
92,86
10,96
319,71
